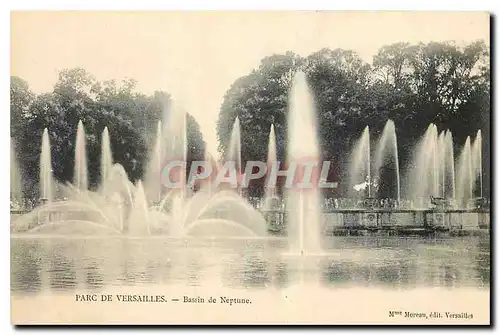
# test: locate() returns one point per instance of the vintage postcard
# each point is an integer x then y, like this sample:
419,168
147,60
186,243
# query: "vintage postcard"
249,168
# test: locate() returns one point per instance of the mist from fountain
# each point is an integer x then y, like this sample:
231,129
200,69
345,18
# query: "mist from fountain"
106,155
177,150
46,180
80,177
360,166
477,164
302,204
138,222
170,144
387,154
115,197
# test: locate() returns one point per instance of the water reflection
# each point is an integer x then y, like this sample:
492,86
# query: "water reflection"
70,264
482,260
26,266
194,273
255,272
93,279
61,271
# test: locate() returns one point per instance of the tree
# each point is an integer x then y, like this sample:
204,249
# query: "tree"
414,85
259,100
131,119
21,98
336,78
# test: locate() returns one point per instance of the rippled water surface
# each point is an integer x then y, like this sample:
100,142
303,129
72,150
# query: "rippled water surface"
69,264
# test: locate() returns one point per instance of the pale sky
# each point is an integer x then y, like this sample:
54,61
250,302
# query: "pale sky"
196,56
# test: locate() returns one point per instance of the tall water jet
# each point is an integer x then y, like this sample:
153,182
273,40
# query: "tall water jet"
386,159
168,143
152,181
80,177
449,166
15,177
234,153
170,146
177,138
177,151
434,143
477,164
441,163
464,175
303,204
46,182
423,181
271,158
360,167
106,156
469,168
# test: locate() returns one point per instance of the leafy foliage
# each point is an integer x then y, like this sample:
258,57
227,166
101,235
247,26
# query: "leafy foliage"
131,119
414,85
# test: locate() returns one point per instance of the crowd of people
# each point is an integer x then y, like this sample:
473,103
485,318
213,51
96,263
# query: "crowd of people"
350,203
279,203
343,203
340,203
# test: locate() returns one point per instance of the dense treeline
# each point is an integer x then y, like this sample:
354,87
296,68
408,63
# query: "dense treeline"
414,85
131,119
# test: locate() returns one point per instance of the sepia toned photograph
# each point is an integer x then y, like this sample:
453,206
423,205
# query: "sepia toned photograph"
250,168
